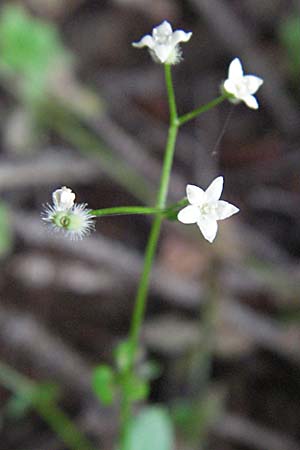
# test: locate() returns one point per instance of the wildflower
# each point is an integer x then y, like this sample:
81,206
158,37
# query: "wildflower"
206,209
74,219
164,43
240,86
63,198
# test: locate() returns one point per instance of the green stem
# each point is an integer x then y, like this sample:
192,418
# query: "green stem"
196,112
123,210
140,303
142,293
60,423
56,419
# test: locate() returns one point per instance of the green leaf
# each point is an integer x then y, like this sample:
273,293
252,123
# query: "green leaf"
151,430
29,49
5,231
103,383
122,354
289,33
135,389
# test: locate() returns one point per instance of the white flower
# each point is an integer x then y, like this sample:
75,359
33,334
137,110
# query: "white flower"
206,209
63,198
74,220
164,43
240,86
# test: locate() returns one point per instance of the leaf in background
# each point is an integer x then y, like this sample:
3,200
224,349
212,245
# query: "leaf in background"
149,370
122,355
29,48
152,429
5,231
194,418
135,389
103,382
289,33
18,406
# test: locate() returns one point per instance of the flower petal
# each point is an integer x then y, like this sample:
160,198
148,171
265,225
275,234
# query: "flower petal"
253,83
146,41
229,86
162,52
189,214
225,210
180,36
63,198
194,194
214,190
235,71
208,228
250,101
164,29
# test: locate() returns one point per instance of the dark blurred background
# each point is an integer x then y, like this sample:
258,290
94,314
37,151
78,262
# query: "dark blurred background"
81,107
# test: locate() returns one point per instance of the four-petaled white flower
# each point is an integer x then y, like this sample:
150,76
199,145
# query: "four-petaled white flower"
240,86
164,43
206,209
75,220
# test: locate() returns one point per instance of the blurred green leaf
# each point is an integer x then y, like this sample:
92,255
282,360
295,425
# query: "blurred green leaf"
29,48
135,389
122,354
149,370
152,429
18,406
194,418
289,34
5,231
29,397
103,382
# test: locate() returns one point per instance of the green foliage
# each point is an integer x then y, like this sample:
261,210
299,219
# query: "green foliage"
45,393
28,398
18,406
289,34
5,231
194,418
134,388
122,355
103,383
151,429
107,382
149,370
29,49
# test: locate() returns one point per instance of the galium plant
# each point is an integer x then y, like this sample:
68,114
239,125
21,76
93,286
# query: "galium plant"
201,207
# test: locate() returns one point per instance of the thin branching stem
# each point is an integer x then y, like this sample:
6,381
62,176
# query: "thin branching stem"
196,112
142,293
143,288
126,210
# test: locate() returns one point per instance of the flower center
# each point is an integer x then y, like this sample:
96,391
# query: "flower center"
242,88
61,220
208,209
163,38
65,221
